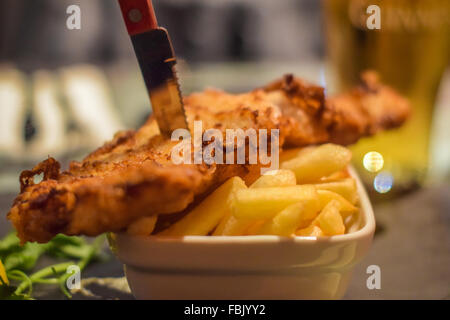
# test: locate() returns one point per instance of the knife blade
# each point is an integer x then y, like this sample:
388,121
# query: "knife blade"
157,60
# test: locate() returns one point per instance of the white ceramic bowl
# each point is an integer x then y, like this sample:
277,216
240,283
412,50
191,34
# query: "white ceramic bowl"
246,267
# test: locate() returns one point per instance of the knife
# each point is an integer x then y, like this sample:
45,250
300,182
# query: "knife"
157,61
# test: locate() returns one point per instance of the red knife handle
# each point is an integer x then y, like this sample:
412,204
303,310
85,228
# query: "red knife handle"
139,15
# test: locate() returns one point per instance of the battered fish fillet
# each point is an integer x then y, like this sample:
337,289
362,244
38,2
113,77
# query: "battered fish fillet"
309,118
133,175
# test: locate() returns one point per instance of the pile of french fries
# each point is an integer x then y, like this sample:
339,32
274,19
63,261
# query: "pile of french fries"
312,194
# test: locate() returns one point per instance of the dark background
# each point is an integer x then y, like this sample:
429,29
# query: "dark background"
33,33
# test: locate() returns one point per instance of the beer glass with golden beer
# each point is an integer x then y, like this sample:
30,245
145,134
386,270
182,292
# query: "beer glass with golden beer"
410,50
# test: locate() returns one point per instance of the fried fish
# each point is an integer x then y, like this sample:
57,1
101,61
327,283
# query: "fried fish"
134,176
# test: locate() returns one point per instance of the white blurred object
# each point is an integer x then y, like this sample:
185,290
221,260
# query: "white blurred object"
12,111
129,92
48,115
90,104
440,143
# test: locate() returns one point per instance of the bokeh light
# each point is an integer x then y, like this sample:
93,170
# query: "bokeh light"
383,182
373,161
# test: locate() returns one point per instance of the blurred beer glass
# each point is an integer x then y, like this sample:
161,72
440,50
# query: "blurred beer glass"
411,53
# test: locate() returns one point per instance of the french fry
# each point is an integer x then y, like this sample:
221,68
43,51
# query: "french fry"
287,221
207,215
254,227
336,176
275,178
3,277
290,154
330,220
310,231
265,203
319,162
230,226
223,222
143,226
235,227
346,188
347,208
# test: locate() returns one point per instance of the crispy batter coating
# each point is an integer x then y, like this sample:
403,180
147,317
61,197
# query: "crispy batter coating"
309,118
133,175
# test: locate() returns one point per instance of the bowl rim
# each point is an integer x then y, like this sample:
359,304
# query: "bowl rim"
367,229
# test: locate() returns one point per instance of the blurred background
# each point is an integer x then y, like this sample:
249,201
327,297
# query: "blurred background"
64,92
